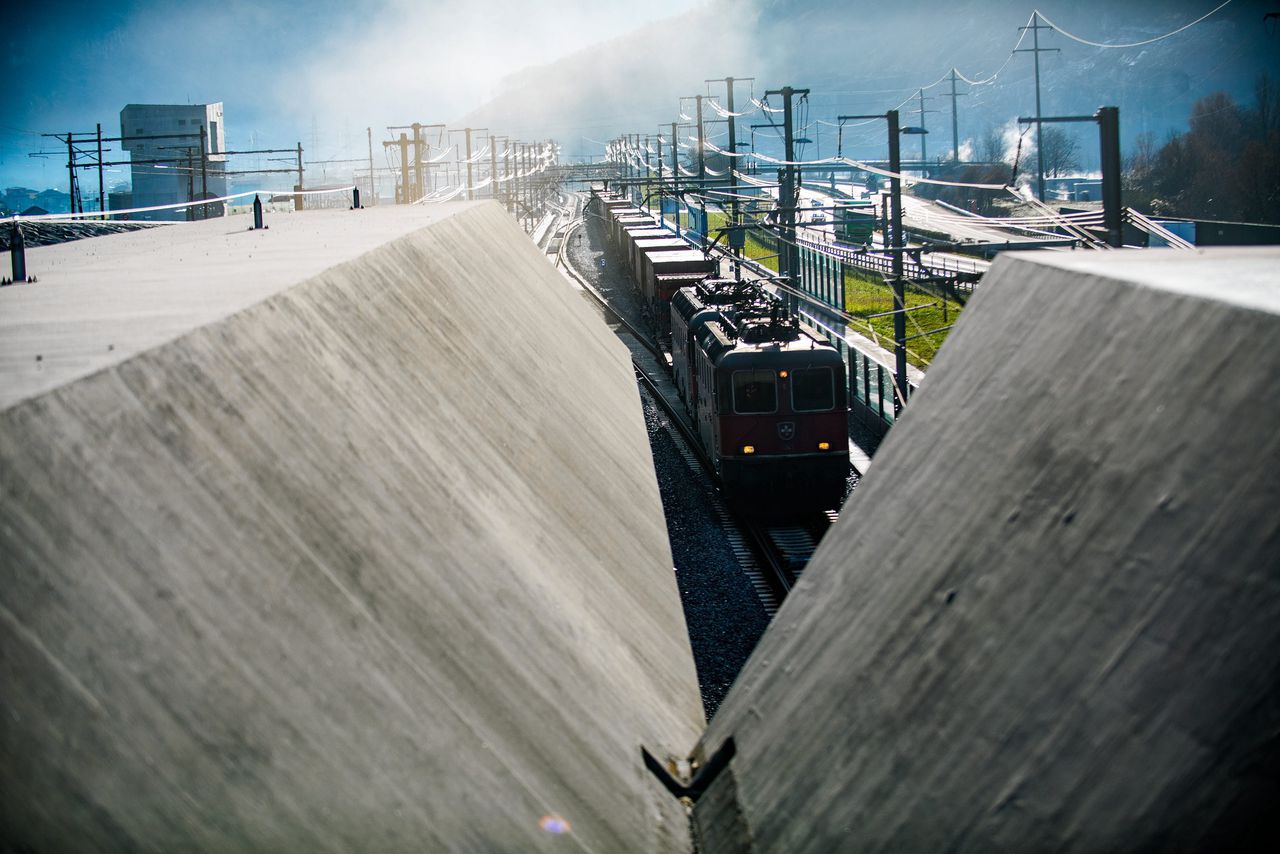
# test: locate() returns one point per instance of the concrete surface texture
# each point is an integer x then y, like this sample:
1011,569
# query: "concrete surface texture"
357,545
1049,617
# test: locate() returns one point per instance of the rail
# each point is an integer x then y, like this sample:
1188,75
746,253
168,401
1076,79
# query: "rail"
778,573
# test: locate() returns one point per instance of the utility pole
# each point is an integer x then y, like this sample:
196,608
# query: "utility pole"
373,191
405,192
675,175
660,218
736,237
191,177
1108,121
402,197
297,200
1035,28
899,291
410,191
955,126
1109,140
893,240
493,166
788,192
204,175
702,144
507,190
470,173
467,131
102,199
626,161
648,181
924,151
635,153
71,170
417,161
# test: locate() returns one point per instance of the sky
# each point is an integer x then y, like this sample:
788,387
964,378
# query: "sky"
322,71
316,72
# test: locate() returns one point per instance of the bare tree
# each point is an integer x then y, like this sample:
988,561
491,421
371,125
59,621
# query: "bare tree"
1061,152
990,147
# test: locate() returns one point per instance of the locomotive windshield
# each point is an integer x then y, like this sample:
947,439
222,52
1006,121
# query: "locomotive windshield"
754,392
812,390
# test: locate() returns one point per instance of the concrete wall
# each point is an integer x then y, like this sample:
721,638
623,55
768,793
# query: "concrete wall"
374,563
1049,617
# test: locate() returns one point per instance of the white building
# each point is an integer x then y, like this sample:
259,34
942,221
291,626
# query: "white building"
164,142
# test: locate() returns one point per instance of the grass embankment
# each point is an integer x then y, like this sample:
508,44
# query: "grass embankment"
761,248
867,293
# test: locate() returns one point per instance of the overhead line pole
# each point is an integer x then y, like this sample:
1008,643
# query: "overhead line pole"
102,199
493,166
1108,119
469,173
734,212
787,193
896,251
955,125
924,151
675,176
204,176
299,201
507,190
702,143
1035,28
660,217
71,170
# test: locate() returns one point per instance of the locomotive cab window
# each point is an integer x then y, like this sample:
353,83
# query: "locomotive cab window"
754,392
812,390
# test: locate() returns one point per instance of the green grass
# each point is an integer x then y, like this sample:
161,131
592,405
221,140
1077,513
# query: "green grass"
866,294
758,247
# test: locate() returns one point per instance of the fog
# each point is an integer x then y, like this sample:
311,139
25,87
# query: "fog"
583,72
317,73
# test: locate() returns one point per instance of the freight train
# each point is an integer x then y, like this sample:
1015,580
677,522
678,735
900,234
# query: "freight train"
769,401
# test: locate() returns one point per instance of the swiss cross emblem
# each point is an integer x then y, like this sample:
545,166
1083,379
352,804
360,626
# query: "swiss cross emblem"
786,430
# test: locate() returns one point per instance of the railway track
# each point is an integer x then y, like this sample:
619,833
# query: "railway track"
771,554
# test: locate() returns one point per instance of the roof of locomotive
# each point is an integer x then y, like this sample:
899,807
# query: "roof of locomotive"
803,352
730,353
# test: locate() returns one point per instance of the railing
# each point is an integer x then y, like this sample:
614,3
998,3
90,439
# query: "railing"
911,269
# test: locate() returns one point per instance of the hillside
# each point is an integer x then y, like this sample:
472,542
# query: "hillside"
859,58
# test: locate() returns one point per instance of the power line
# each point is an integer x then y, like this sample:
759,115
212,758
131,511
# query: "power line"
1131,44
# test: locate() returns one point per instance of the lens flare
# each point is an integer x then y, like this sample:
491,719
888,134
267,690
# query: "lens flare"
554,824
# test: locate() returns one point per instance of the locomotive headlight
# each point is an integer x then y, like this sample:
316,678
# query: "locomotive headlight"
783,374
824,446
748,449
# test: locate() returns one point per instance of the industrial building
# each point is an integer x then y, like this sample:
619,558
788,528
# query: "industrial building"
179,155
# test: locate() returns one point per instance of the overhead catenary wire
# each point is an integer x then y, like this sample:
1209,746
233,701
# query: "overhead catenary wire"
1084,41
724,113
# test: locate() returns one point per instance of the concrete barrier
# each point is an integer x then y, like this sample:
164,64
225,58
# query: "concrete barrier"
352,543
1049,617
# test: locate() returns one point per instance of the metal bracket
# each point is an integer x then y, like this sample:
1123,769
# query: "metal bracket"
702,778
